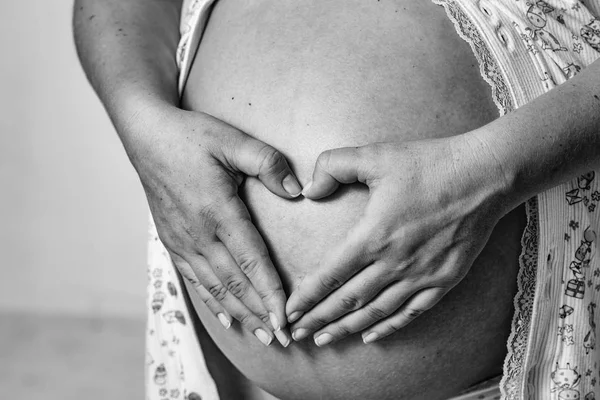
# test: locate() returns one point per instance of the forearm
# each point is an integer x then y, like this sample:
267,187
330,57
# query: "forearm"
127,49
550,140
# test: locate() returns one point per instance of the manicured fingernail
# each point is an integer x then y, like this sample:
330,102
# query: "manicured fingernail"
274,321
306,188
291,185
300,334
295,316
224,321
371,337
283,338
323,339
263,336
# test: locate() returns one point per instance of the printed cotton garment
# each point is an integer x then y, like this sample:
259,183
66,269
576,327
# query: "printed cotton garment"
524,49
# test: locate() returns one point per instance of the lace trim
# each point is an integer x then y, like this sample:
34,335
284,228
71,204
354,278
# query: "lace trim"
488,67
511,384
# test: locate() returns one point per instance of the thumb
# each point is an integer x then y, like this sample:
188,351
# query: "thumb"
343,165
258,159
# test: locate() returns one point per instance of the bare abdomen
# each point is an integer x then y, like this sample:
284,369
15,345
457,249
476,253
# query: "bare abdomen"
312,75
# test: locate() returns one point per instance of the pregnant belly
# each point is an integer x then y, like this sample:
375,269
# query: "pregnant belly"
313,75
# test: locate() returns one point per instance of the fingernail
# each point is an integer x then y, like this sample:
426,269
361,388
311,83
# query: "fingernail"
371,337
300,334
224,321
291,185
323,339
263,336
306,188
295,316
274,321
283,338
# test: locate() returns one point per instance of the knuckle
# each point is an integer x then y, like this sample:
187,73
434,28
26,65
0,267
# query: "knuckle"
197,248
218,291
192,279
392,326
412,313
237,287
212,303
330,282
245,318
219,222
265,319
317,321
269,294
343,330
375,313
249,266
350,303
222,225
270,161
208,212
402,271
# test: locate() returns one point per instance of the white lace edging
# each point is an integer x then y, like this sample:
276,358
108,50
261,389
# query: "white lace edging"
488,67
511,385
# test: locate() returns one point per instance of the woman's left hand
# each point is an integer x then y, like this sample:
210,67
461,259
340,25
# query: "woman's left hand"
431,209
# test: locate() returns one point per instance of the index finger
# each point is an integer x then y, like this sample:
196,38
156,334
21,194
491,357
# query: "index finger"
339,265
245,244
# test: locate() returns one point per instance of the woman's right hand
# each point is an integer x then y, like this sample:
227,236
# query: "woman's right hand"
191,166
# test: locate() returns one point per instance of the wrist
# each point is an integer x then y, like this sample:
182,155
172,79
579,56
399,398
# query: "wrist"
141,122
486,173
131,101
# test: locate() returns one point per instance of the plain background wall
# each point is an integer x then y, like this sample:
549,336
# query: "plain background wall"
73,215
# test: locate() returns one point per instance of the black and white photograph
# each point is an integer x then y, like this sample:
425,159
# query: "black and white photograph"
300,199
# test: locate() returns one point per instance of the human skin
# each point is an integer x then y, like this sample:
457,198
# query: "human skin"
141,80
550,140
190,164
308,79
